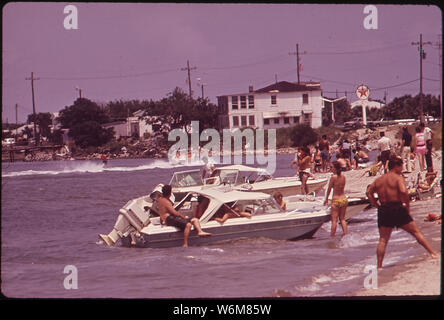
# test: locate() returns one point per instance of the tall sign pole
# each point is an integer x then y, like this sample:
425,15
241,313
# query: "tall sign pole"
363,92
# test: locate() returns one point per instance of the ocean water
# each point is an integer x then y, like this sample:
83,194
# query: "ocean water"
52,213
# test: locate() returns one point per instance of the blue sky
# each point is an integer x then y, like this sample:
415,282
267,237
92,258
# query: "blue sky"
137,51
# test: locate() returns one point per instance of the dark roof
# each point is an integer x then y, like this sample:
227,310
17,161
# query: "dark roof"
285,86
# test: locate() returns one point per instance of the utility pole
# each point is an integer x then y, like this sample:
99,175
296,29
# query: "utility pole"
189,75
438,45
80,91
16,120
298,60
201,85
37,138
422,56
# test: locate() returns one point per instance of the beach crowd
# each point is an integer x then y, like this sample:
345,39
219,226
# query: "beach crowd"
389,192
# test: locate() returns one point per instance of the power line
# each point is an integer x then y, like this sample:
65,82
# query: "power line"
111,77
356,51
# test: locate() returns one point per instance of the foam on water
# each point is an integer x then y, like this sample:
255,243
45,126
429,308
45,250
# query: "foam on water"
67,167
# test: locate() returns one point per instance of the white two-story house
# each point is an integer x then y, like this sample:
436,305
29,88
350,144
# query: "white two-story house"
282,104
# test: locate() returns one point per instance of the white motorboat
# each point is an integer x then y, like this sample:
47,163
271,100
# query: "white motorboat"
242,178
138,225
356,203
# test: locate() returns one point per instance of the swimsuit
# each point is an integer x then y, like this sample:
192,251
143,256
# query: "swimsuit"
339,203
302,172
385,155
176,221
393,214
420,144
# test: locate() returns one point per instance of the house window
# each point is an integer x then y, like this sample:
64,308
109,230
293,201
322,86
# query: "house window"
296,120
266,122
276,120
234,103
274,100
243,121
305,98
243,102
250,102
286,120
251,120
235,121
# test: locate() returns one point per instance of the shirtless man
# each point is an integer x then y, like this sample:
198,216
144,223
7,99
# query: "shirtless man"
339,200
304,165
171,217
393,208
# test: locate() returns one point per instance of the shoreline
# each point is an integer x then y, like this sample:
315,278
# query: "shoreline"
420,276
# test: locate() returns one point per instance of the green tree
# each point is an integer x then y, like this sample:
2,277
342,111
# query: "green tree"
90,133
178,110
342,110
43,120
84,119
81,111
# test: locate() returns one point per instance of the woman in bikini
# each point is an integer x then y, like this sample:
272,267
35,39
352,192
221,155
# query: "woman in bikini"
339,201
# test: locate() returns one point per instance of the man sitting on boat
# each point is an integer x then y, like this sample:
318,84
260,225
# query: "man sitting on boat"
171,217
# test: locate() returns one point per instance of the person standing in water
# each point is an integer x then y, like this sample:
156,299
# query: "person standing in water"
339,200
393,208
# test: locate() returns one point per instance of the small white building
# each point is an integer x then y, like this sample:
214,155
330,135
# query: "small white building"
282,104
131,126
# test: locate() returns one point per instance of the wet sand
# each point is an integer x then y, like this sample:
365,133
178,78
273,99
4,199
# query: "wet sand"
422,275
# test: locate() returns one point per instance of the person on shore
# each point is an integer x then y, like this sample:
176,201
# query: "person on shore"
373,171
339,199
317,160
420,147
324,147
297,155
384,146
280,200
346,150
304,165
171,217
412,158
393,208
428,133
406,142
343,161
361,157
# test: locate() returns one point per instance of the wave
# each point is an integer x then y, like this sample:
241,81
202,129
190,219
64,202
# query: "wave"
99,167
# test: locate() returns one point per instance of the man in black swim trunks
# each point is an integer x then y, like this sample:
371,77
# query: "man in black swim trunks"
171,217
393,208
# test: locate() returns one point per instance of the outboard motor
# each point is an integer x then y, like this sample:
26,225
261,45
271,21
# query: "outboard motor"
133,217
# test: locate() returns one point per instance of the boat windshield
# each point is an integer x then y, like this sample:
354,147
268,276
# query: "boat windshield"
268,206
186,179
226,176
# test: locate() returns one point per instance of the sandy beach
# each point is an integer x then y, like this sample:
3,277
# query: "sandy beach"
422,276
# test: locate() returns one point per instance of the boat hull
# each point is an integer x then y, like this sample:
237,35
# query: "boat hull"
283,229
